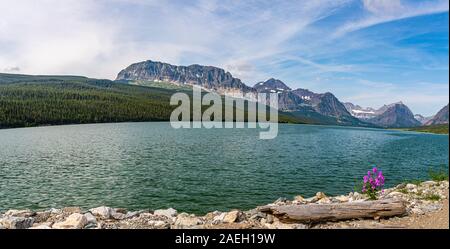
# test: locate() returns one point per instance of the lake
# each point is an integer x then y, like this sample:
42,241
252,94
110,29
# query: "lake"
152,166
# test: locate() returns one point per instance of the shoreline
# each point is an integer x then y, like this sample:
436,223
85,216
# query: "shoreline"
422,200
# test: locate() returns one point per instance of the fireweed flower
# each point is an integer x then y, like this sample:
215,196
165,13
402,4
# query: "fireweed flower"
373,182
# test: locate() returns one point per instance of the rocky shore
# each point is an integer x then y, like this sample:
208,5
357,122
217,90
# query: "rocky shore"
421,200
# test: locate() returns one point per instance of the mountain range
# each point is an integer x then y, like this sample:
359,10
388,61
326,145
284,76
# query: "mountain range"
301,103
142,92
322,108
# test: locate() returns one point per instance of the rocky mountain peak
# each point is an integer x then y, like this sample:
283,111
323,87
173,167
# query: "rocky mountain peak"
208,77
271,85
396,115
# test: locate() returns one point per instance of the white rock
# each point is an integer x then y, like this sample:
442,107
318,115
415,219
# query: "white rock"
103,212
118,216
90,218
324,200
74,221
20,213
231,217
410,186
299,199
185,221
342,198
169,213
320,195
55,211
219,218
417,211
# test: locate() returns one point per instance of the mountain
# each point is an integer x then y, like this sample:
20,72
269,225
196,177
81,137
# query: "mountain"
361,112
329,105
423,120
440,118
396,115
208,77
323,108
325,104
271,86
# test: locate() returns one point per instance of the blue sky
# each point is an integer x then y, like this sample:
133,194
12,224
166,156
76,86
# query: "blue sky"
369,52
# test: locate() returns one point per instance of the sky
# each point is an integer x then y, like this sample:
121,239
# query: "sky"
368,52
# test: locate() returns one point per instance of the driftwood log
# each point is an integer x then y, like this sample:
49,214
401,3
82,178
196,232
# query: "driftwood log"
313,213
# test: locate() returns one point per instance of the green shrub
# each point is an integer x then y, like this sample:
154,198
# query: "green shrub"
438,175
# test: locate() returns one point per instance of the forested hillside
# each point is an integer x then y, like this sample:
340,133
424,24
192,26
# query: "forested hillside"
54,100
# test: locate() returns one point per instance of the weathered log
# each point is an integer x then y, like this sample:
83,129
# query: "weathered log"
312,213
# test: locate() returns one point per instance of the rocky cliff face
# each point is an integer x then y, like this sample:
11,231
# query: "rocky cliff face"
440,118
396,115
208,77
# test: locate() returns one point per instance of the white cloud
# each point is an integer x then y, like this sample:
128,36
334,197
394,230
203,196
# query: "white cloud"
98,38
382,11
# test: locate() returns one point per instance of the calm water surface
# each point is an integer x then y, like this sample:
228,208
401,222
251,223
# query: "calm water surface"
151,165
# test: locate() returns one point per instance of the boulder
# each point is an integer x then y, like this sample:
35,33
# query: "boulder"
324,200
90,218
20,213
169,213
231,217
299,200
320,195
103,212
410,186
219,218
186,221
74,221
118,216
10,222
